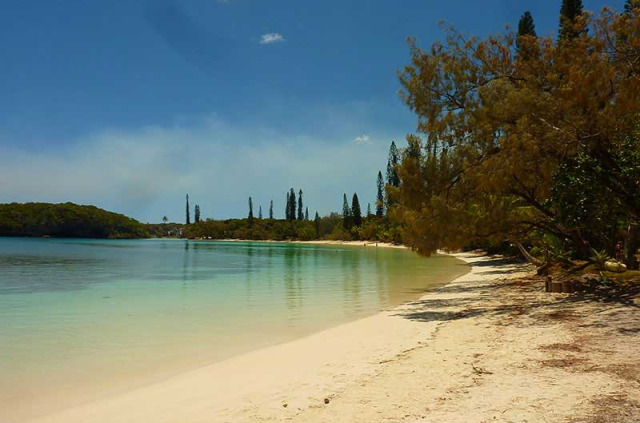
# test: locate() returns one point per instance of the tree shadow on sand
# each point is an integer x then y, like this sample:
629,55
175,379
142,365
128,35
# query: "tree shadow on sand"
515,297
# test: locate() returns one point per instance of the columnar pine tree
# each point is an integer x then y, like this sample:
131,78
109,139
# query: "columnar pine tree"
346,213
526,27
197,213
356,213
380,196
287,207
300,209
271,210
368,209
570,11
260,212
188,220
392,166
292,204
306,213
250,217
630,5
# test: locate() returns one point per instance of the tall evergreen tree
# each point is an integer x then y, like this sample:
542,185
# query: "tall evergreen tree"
197,213
569,13
271,210
392,166
316,222
380,196
188,220
250,209
526,27
368,209
300,209
630,5
356,213
292,204
306,213
260,212
346,212
287,207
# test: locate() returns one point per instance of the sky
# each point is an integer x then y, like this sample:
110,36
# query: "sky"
131,104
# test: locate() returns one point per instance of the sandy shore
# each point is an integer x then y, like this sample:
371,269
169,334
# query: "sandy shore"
488,347
319,242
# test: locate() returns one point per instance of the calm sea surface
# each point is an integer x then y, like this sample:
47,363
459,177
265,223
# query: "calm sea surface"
81,318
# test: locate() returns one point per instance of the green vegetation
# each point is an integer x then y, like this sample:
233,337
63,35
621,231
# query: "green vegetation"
380,196
197,213
188,217
66,220
599,258
538,150
526,28
328,228
300,211
570,26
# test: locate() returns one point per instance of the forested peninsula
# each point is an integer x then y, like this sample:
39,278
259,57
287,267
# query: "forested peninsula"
67,220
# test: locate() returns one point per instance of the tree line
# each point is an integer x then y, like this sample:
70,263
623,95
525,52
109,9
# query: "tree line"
351,224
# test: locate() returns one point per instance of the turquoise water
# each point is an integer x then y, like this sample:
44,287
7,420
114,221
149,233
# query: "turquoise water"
85,317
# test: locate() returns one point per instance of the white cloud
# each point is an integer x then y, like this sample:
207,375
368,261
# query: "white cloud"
145,173
271,38
362,139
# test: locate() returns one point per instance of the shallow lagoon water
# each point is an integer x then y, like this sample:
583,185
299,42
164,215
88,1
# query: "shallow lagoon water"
81,318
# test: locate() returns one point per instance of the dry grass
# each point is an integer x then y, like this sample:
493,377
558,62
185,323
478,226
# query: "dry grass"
574,347
612,409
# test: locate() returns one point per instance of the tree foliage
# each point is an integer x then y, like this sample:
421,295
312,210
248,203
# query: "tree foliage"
300,206
347,221
188,212
196,214
66,220
380,195
570,24
526,29
356,212
505,137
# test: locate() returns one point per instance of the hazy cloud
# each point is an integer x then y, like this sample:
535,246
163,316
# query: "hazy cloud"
145,173
362,139
271,38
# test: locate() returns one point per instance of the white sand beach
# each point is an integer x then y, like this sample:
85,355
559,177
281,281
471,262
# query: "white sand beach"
490,346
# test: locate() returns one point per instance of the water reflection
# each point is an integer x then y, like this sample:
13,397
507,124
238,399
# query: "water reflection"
292,282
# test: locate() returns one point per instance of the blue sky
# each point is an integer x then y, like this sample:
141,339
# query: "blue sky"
129,104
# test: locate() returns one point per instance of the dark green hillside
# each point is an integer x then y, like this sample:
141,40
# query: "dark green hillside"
66,220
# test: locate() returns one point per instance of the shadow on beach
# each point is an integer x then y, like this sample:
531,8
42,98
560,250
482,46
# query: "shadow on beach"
506,296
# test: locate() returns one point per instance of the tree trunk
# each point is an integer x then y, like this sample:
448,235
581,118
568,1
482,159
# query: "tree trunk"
633,233
528,256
